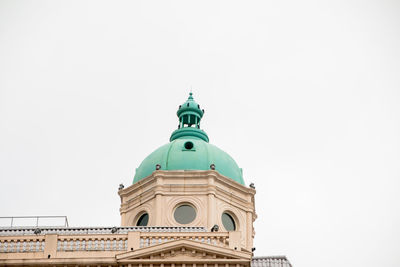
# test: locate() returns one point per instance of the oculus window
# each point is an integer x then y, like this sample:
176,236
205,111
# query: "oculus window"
184,214
188,145
228,222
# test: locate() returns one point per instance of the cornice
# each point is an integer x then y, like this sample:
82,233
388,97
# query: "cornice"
185,174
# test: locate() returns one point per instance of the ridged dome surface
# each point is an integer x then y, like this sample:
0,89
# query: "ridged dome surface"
177,155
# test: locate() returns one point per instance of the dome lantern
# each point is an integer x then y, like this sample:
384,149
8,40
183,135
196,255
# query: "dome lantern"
189,114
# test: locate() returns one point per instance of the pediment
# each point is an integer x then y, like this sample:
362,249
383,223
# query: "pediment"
183,251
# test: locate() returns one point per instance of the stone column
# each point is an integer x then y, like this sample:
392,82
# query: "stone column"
210,211
249,230
158,210
211,203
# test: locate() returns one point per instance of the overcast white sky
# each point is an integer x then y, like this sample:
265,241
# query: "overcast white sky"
303,94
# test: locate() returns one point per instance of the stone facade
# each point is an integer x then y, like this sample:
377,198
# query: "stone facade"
122,246
163,242
210,193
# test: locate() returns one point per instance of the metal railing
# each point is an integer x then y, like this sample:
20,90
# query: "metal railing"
34,219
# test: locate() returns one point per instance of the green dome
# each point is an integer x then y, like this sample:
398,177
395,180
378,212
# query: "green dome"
174,156
189,149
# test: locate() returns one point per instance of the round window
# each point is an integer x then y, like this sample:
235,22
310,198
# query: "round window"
228,222
188,145
185,214
143,220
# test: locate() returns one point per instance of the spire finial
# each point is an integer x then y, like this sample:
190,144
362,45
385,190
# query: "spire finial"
190,95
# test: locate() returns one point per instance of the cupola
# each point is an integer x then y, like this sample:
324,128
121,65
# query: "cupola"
189,114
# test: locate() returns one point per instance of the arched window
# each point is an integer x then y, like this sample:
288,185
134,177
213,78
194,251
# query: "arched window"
143,220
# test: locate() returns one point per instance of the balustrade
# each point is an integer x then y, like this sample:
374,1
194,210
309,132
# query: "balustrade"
22,245
92,243
106,242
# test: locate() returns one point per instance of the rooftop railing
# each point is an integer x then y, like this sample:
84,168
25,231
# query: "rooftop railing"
33,221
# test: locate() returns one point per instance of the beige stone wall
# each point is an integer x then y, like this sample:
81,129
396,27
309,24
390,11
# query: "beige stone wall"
131,249
210,193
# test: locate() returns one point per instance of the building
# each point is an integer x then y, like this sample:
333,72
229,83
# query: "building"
188,206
